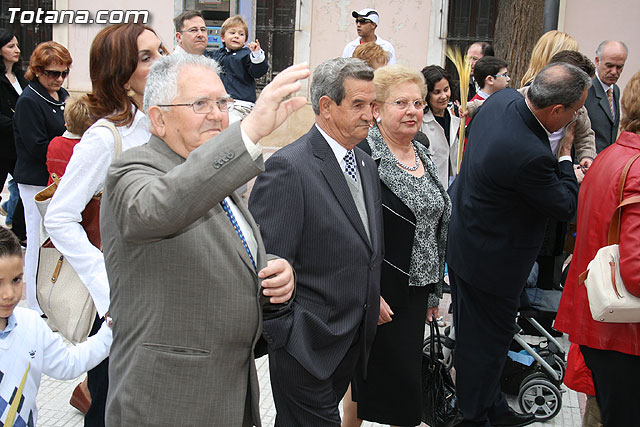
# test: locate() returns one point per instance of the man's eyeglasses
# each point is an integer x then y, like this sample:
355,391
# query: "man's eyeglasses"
505,75
402,104
195,30
205,106
363,21
52,74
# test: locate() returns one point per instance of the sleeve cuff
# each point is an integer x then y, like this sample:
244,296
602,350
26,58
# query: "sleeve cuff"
258,57
253,149
563,158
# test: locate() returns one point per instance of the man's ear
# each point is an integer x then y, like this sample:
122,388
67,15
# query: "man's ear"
157,116
179,37
375,110
325,104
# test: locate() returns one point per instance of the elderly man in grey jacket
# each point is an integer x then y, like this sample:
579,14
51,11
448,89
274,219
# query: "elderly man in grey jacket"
188,272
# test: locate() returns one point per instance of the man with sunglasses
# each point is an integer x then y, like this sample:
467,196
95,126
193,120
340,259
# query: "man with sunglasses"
366,23
191,32
189,275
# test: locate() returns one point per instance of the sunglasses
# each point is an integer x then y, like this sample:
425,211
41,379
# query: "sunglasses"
56,74
363,21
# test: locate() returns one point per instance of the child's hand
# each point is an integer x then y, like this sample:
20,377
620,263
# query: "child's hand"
254,46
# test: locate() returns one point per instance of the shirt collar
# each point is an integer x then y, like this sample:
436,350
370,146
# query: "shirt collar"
526,101
604,86
483,94
338,150
11,325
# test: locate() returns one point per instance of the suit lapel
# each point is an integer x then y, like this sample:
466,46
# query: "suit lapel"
336,180
603,101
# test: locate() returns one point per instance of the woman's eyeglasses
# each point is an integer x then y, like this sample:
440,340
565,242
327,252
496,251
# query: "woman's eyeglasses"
56,74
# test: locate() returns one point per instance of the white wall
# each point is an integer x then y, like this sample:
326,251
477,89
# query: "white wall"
592,21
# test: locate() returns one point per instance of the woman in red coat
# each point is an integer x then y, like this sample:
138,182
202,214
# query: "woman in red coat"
611,350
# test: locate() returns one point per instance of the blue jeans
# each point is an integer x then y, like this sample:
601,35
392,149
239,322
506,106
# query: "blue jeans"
10,205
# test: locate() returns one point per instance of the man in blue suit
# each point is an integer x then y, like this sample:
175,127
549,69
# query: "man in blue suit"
509,184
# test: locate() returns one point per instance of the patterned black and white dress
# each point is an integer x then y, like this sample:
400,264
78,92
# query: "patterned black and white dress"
416,212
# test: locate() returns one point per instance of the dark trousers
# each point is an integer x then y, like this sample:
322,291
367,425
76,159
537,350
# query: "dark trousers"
98,383
18,226
302,399
616,377
484,325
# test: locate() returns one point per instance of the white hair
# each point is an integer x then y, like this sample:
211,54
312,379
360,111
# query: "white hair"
162,81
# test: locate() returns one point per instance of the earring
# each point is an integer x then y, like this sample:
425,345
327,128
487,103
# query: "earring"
378,120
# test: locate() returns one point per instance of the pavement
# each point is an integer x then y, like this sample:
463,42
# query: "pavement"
55,411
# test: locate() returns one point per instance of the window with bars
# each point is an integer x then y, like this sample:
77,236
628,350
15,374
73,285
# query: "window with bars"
28,35
469,21
275,28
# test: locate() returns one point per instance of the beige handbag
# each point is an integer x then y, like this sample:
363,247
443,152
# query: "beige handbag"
609,300
61,294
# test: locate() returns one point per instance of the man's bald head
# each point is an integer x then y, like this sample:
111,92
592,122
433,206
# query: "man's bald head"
611,56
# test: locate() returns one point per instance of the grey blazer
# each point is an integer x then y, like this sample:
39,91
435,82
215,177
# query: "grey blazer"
308,216
602,122
184,295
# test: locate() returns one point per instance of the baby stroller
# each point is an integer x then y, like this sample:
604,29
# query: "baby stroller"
533,372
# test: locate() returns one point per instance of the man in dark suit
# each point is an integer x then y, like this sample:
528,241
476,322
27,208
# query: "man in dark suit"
510,183
318,206
603,101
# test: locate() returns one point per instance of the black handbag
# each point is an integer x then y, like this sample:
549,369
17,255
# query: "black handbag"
439,403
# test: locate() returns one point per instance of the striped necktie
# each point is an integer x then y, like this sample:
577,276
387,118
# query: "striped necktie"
610,98
232,218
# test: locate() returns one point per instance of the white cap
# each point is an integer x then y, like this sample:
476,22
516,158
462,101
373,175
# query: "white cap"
370,14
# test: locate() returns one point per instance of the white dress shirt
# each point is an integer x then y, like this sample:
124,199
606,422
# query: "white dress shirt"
338,150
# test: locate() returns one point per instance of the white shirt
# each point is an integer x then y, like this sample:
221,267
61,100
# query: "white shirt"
17,87
31,343
338,150
84,178
385,45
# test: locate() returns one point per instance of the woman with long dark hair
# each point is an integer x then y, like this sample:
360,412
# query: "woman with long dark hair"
119,61
12,83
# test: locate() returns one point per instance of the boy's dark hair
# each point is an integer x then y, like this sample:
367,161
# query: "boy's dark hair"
487,66
178,21
576,58
9,243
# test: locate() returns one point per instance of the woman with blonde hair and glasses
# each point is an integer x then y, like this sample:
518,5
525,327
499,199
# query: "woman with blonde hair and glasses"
416,212
547,45
119,61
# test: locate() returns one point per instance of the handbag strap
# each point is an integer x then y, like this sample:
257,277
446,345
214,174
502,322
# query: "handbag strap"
435,344
614,228
116,136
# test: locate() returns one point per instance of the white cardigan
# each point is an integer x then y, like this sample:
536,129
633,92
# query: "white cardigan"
83,178
32,342
445,155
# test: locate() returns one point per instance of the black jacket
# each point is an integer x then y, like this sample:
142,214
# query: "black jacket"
8,99
37,120
509,184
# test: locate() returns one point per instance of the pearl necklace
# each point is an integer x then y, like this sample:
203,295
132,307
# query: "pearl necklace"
409,168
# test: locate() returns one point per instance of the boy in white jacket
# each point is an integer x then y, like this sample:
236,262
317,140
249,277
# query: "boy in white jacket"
28,347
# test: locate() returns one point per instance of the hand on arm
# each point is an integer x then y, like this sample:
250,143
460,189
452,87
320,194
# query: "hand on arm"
278,280
567,141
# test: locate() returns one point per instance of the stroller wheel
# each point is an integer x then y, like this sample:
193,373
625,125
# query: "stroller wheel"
556,363
541,398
